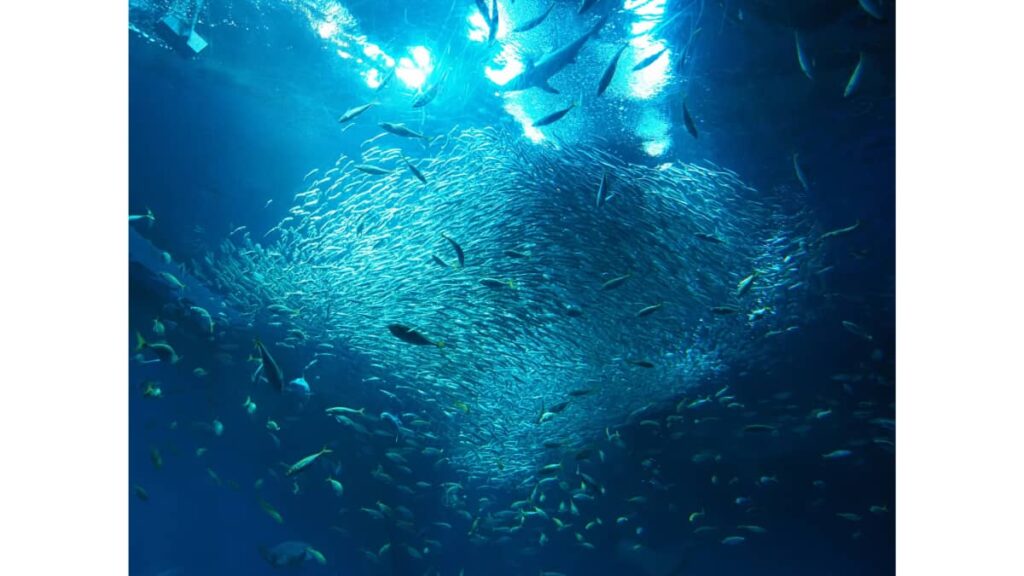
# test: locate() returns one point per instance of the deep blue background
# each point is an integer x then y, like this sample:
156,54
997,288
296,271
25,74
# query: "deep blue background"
212,139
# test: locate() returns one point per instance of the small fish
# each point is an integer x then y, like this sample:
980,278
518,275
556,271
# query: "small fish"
758,428
495,283
733,540
268,367
415,171
204,316
724,310
837,454
536,21
306,462
371,169
849,516
427,96
401,130
744,285
648,310
839,231
163,350
148,217
879,510
172,280
152,390
609,71
345,410
351,113
752,529
801,56
271,511
141,493
615,282
799,172
649,60
854,82
550,469
458,250
641,363
857,330
602,189
554,116
708,238
411,335
338,488
695,516
158,327
688,120
316,555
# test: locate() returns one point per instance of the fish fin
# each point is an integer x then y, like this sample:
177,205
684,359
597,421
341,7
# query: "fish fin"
547,87
140,342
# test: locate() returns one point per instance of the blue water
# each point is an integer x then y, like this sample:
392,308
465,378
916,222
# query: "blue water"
215,136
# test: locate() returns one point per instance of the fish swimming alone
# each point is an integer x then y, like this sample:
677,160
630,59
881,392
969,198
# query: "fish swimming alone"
535,21
351,113
163,350
268,367
458,250
609,71
411,335
801,56
538,74
306,462
688,120
415,171
554,116
854,82
615,282
649,60
401,130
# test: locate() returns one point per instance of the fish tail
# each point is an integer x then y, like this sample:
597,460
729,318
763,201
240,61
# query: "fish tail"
140,342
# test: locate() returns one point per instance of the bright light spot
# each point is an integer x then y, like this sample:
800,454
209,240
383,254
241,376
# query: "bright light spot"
408,73
422,57
389,61
645,8
654,129
327,29
517,112
371,50
513,67
478,28
643,26
656,148
372,78
344,55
